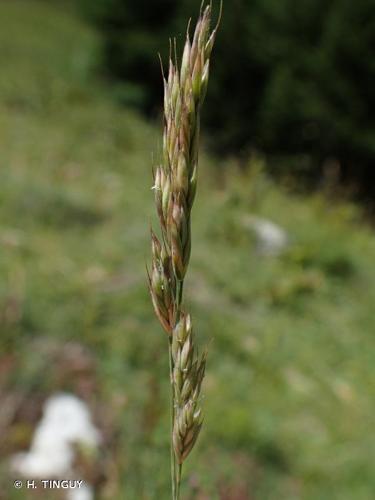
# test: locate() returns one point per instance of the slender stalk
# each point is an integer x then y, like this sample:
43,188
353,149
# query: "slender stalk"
177,468
178,480
180,291
171,403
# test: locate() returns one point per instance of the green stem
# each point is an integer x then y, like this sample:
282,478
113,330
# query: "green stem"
175,468
178,480
173,459
180,292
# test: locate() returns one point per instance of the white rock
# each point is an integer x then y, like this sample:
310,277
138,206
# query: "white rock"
44,460
66,421
70,420
271,238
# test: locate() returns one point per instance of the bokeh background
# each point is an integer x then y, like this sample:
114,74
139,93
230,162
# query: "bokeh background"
282,278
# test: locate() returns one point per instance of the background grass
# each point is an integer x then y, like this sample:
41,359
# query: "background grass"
291,365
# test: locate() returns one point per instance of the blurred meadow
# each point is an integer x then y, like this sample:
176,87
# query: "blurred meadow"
289,406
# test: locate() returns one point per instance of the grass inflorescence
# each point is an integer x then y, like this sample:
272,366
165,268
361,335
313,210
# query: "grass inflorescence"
175,184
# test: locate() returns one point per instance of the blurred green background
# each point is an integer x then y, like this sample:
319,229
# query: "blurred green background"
291,78
290,382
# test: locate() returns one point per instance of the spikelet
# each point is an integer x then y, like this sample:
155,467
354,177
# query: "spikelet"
187,377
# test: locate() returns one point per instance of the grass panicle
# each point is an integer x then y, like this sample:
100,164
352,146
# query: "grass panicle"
175,184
